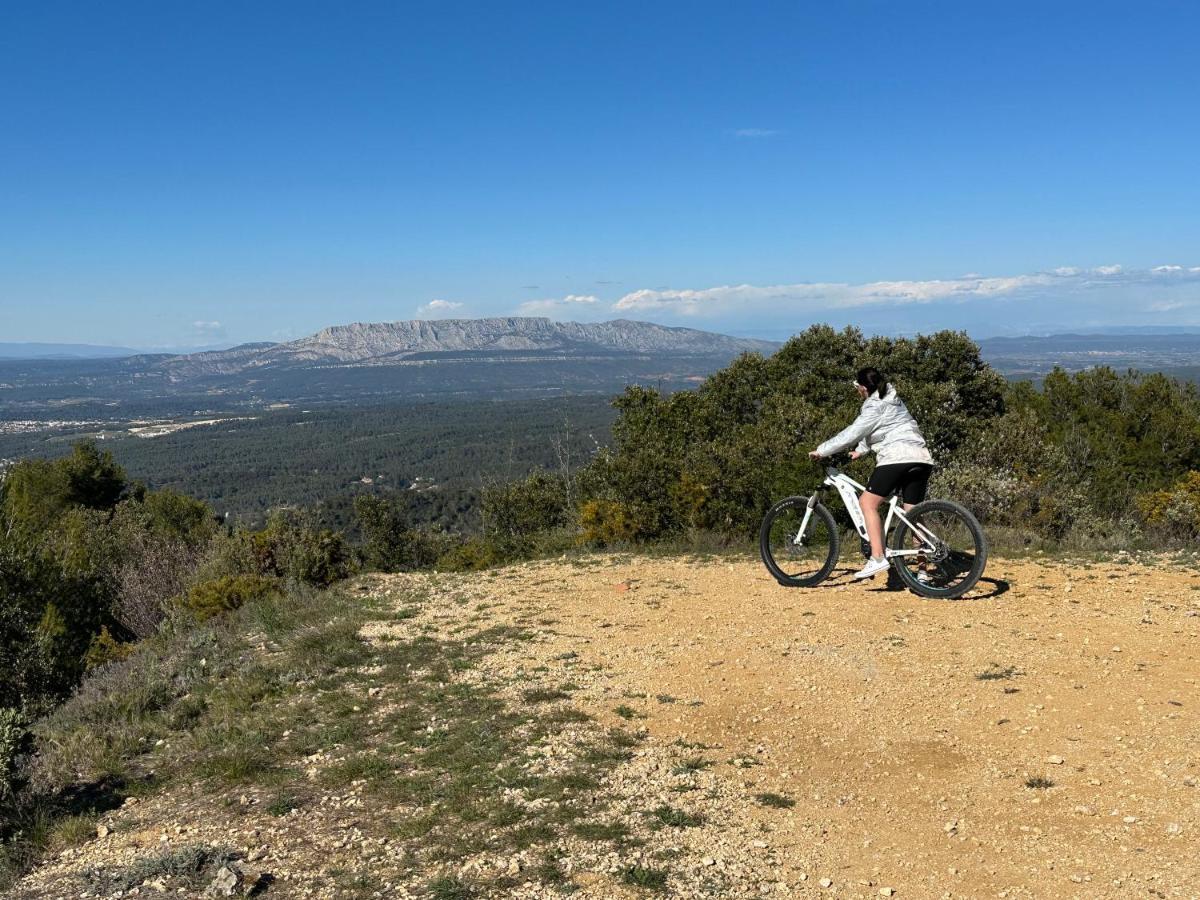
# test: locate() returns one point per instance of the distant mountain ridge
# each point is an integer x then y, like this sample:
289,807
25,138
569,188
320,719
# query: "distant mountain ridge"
393,343
34,350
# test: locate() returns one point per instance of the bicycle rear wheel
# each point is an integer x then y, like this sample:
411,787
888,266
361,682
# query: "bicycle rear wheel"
953,549
798,560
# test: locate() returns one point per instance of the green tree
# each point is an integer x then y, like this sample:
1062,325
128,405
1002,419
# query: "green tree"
35,493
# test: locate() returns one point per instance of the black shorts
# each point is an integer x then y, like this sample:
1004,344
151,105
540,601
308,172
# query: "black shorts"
910,480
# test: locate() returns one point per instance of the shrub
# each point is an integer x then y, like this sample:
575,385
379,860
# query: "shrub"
287,548
15,743
514,513
390,545
211,598
106,649
47,622
607,522
469,556
1175,509
1012,474
154,570
319,558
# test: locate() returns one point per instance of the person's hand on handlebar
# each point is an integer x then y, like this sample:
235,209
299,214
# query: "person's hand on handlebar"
813,454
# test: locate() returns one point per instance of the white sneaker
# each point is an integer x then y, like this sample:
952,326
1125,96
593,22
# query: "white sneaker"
872,568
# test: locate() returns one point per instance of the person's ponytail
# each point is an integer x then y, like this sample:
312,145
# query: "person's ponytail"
874,382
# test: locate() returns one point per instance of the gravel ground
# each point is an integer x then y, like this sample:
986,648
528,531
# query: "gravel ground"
1035,739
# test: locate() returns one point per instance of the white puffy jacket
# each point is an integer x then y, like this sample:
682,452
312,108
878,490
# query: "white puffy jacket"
884,427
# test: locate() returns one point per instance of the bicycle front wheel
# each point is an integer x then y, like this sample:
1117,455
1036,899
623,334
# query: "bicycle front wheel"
798,559
943,554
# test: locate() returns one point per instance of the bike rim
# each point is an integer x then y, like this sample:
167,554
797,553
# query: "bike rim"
803,560
949,550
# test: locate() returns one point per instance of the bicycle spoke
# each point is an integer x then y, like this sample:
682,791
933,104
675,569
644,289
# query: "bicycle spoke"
948,551
798,555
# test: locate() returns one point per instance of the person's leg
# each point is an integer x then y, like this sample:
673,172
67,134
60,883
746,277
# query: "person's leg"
870,509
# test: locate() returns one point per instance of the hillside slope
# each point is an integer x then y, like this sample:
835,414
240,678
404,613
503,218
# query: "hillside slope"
738,739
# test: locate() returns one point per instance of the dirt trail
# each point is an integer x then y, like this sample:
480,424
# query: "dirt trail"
905,730
1037,739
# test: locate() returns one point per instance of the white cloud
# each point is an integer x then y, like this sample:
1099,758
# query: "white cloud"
207,331
1166,306
754,132
435,308
812,297
570,305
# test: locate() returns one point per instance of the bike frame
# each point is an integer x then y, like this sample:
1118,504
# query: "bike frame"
849,490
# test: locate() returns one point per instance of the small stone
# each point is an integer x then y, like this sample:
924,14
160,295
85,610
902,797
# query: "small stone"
102,831
1129,820
886,892
1055,760
826,882
760,845
1174,828
225,883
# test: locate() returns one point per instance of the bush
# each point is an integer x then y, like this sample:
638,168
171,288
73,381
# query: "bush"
469,556
1176,509
106,649
607,522
47,622
211,598
514,513
287,548
390,545
319,558
1012,474
15,744
154,570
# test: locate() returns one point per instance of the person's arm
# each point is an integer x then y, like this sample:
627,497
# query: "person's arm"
852,434
861,450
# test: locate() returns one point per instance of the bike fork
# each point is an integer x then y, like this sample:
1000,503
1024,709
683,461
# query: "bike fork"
798,540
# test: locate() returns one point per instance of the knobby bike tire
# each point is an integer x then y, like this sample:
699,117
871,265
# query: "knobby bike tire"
768,557
900,538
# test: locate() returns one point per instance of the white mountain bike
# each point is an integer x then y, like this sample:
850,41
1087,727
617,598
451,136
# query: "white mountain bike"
937,548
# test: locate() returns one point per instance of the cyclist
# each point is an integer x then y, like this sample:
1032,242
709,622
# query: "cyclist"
903,464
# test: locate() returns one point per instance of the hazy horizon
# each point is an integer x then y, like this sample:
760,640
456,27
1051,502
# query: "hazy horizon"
66,349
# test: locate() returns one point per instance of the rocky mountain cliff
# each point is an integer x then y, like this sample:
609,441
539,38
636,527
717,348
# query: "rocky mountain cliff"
387,343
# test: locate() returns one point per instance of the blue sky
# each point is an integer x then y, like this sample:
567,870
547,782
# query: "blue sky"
182,174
